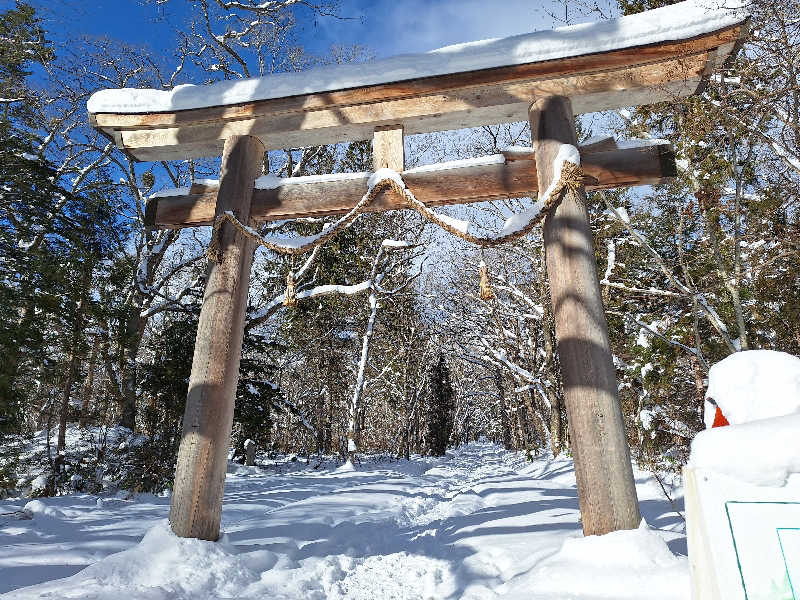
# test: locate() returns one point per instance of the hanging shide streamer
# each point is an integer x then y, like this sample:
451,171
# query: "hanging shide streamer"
486,288
291,298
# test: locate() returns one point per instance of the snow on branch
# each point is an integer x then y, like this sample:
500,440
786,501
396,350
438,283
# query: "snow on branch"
685,291
499,356
282,403
655,333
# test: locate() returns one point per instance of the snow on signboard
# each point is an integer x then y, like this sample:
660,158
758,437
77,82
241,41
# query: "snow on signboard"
752,385
743,483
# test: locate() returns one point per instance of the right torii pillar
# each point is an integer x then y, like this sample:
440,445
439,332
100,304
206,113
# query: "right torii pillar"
606,490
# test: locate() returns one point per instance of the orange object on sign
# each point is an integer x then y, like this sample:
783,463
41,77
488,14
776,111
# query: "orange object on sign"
719,419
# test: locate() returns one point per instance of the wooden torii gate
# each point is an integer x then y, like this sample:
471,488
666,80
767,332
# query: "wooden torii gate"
661,64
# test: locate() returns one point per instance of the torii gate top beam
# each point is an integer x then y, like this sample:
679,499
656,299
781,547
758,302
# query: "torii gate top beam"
639,59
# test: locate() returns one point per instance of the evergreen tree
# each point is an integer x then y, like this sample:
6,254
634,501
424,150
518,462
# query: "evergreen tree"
25,182
256,395
52,242
441,407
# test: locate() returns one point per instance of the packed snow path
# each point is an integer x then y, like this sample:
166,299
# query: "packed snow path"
481,523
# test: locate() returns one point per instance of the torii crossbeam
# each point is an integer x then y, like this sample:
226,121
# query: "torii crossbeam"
544,77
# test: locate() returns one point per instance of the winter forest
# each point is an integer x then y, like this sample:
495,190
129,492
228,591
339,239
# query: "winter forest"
394,343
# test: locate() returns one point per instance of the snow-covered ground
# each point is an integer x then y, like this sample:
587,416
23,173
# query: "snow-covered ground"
481,523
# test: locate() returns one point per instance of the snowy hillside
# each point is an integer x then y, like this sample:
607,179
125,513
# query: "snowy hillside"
480,523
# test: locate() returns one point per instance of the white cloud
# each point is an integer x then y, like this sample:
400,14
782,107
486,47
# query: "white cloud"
421,25
390,27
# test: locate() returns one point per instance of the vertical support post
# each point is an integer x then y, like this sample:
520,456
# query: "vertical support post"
606,490
387,148
196,507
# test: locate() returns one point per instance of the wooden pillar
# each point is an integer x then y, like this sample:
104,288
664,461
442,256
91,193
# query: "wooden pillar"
606,490
196,506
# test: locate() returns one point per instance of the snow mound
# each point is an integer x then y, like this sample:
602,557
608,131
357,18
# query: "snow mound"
638,548
764,452
37,508
752,385
347,467
39,483
383,174
618,565
164,566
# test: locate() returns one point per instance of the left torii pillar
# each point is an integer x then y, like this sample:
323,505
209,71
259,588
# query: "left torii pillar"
196,507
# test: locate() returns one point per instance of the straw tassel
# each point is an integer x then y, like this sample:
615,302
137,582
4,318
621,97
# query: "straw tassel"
291,298
486,288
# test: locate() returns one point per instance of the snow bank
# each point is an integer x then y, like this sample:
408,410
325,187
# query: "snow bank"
680,21
755,384
164,566
623,564
763,452
37,508
347,467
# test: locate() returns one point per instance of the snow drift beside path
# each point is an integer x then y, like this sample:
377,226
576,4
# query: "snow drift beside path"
618,565
478,524
165,566
752,385
678,22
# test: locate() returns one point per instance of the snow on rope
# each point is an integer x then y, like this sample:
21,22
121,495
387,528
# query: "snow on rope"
567,175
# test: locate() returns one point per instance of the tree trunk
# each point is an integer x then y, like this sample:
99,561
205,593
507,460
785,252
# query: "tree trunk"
520,438
353,428
503,406
128,370
699,387
69,378
66,393
89,385
606,491
196,507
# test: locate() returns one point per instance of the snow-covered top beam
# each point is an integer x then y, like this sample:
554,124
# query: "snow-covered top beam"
638,59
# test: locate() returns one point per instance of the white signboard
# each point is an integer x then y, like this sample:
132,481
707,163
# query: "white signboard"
756,532
789,538
744,540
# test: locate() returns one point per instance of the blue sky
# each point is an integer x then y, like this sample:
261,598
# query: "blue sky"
394,27
385,27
